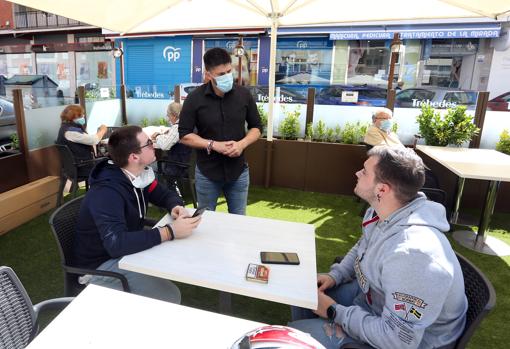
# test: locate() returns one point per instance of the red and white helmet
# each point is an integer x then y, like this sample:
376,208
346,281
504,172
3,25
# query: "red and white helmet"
273,337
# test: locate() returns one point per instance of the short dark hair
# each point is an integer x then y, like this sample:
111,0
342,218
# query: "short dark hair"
215,57
122,143
401,168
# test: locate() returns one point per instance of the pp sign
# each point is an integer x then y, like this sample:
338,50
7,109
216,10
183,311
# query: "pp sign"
171,54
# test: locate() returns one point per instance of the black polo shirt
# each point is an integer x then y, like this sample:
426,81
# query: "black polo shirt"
220,119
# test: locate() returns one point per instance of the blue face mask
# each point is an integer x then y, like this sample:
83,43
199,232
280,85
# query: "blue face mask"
80,121
386,125
224,82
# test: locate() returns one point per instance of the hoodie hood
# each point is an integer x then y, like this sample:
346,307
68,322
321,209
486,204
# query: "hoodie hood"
106,173
419,212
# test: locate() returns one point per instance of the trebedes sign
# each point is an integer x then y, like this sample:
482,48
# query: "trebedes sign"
416,34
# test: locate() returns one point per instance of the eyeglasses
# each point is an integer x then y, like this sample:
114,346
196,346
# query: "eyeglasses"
149,143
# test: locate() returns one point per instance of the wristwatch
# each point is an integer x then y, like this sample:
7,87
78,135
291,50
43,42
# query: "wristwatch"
331,312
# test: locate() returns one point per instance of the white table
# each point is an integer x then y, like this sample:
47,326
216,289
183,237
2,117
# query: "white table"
217,255
104,318
484,164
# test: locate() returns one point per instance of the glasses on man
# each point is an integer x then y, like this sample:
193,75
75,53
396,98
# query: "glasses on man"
149,143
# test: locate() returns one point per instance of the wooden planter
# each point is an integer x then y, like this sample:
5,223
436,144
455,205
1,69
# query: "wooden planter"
14,171
309,166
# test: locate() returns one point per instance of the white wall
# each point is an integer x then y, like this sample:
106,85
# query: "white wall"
499,78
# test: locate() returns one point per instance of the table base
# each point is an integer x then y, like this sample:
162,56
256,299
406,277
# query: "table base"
492,246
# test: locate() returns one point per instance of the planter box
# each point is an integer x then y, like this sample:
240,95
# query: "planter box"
331,167
14,171
26,202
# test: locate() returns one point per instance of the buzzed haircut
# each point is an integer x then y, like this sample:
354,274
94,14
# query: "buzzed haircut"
122,143
215,57
401,168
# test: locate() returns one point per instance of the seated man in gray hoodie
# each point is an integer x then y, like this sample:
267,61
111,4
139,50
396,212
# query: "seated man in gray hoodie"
401,285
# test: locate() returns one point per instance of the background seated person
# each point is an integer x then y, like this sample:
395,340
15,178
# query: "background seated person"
111,219
380,133
401,285
72,134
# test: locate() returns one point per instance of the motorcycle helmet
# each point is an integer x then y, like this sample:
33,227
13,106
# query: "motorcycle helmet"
276,337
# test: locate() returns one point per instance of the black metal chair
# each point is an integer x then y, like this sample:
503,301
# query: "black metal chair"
70,169
186,182
63,223
481,298
18,316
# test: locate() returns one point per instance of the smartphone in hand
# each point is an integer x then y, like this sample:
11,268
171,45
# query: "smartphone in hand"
199,211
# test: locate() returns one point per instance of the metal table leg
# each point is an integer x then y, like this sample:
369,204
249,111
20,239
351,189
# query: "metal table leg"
460,188
488,209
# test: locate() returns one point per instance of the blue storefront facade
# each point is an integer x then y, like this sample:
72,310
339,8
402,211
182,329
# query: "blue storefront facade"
153,66
432,55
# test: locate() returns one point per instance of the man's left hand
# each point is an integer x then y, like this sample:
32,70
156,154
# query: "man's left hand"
179,211
324,302
234,149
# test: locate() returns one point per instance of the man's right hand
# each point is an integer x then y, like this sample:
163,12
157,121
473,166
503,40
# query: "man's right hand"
221,147
324,281
183,226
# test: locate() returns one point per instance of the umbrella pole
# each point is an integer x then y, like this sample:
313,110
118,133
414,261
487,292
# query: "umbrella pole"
272,68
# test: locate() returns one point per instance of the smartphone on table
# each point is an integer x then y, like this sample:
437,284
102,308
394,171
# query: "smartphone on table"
199,211
279,258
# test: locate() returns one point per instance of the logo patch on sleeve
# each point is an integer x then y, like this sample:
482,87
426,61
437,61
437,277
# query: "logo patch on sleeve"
404,297
400,306
415,312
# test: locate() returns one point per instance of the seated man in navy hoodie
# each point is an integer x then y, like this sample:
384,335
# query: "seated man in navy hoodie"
110,224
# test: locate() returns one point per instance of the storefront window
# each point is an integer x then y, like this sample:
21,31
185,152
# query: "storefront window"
56,66
249,62
303,61
409,71
449,63
368,62
19,63
94,69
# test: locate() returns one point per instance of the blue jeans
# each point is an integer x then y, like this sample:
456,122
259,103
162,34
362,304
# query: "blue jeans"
329,335
140,284
236,192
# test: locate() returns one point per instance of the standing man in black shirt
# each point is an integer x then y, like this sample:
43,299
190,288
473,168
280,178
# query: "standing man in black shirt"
220,112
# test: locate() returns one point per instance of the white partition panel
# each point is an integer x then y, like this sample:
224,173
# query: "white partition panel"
495,123
42,126
103,112
151,109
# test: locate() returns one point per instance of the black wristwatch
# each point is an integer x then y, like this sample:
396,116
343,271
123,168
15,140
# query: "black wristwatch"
331,312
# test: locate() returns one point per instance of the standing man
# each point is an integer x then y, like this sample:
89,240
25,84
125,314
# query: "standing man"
401,285
220,112
111,219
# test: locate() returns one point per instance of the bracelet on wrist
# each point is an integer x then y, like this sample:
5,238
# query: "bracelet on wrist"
209,147
171,235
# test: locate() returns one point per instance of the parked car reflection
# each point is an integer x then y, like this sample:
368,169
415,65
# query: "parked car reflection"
435,97
500,103
7,121
366,95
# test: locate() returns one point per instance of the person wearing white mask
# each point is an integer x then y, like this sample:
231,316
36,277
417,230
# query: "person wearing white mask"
72,134
111,219
220,113
380,132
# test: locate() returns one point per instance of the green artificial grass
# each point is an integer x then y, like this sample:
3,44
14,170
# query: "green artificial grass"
31,251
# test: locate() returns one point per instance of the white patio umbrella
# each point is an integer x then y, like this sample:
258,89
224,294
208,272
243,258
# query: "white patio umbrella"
159,16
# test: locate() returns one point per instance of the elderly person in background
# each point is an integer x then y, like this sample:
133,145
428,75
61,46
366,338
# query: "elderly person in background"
380,133
72,134
166,137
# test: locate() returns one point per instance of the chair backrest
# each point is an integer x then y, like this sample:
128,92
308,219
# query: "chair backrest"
436,195
67,160
481,299
17,317
63,224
